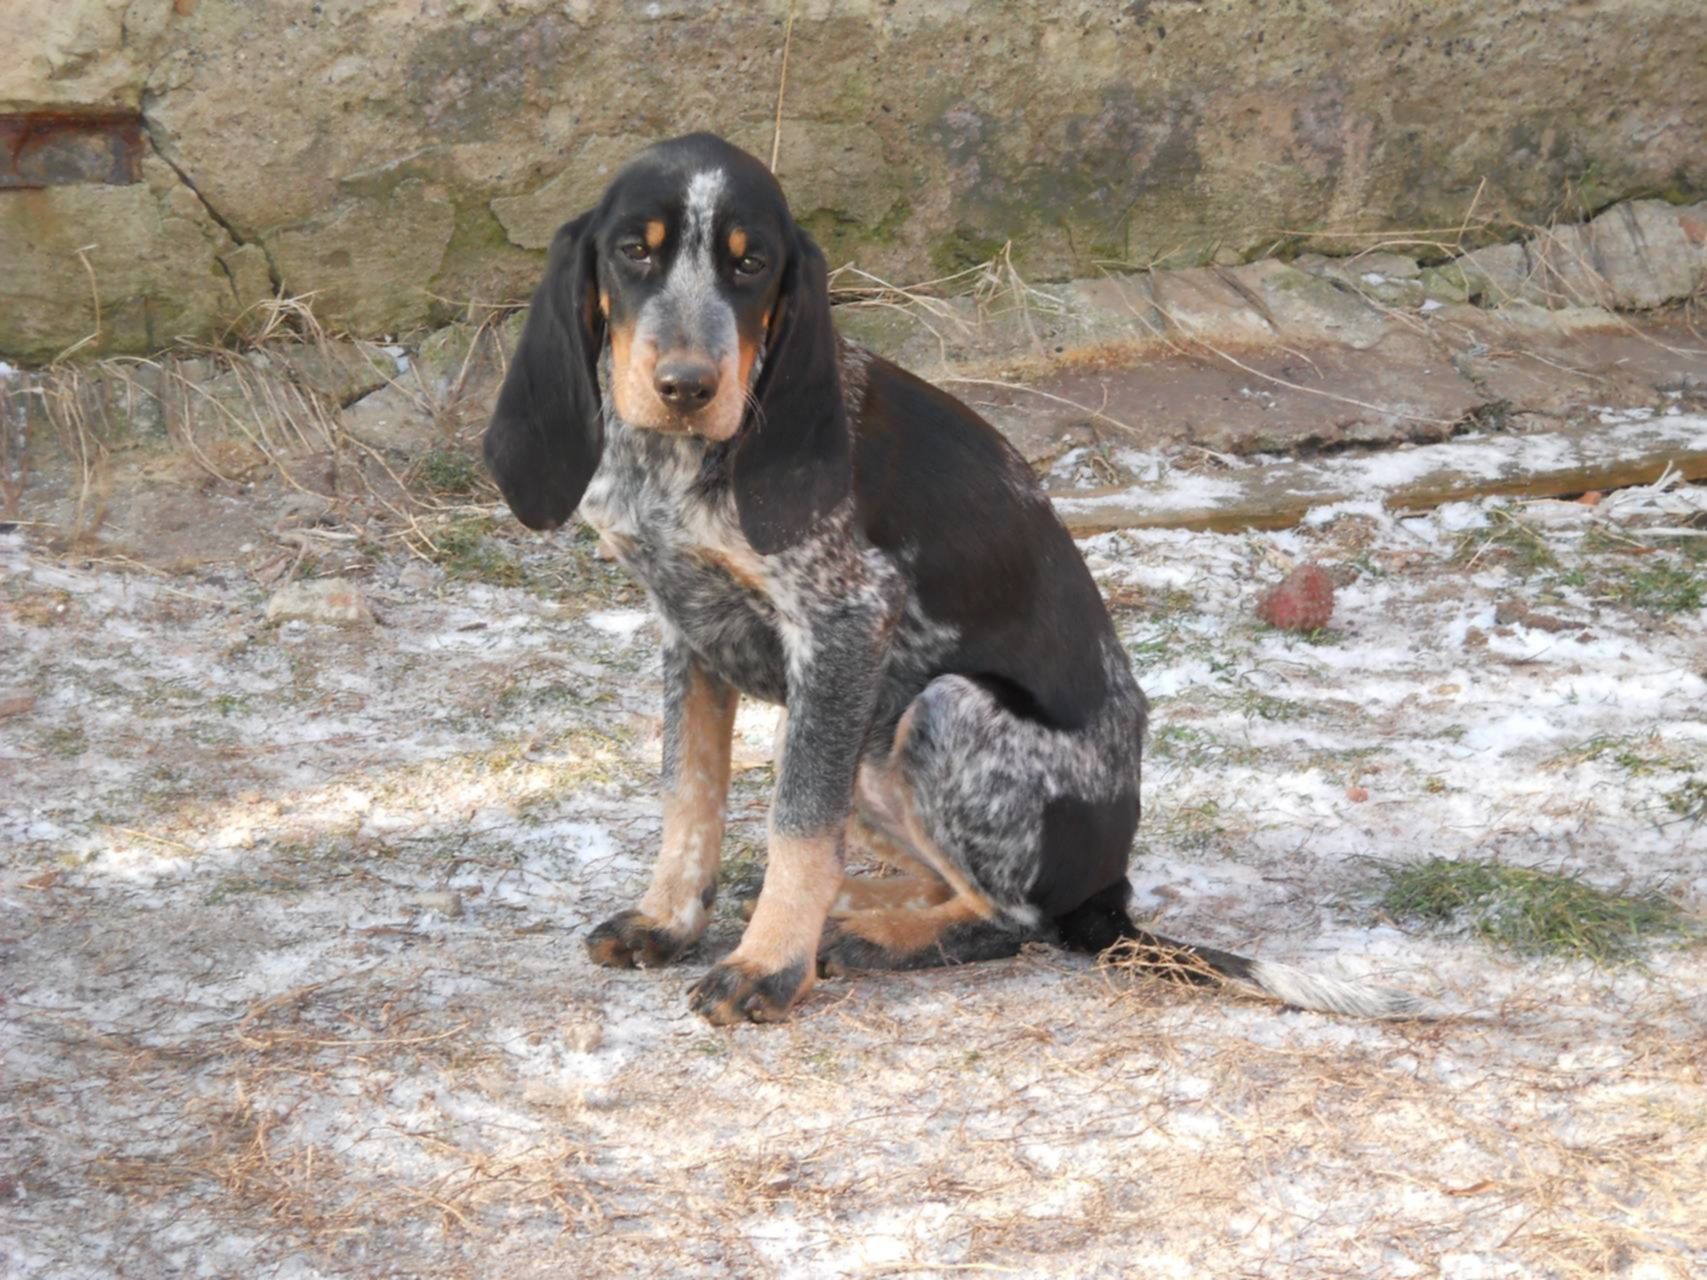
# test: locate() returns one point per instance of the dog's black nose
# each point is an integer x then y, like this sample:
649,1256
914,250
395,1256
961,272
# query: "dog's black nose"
685,383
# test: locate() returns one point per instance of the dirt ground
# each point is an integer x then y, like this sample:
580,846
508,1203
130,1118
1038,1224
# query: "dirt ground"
291,919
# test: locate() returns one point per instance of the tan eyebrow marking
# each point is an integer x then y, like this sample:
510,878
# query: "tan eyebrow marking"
738,243
654,233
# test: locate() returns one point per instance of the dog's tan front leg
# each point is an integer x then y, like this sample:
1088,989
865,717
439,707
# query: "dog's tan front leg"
699,722
832,688
775,965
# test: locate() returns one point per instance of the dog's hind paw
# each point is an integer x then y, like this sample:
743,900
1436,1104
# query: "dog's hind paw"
631,938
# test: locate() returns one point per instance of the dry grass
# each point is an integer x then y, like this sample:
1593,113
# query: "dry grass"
270,402
258,1050
236,1135
1572,1208
14,444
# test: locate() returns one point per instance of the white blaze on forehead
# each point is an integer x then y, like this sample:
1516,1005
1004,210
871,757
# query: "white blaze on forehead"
690,311
704,191
690,293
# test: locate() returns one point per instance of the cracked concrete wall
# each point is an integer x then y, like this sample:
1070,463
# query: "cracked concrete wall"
391,157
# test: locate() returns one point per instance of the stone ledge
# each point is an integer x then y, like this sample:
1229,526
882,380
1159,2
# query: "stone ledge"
1640,255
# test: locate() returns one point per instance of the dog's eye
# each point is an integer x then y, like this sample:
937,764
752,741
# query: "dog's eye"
749,266
634,251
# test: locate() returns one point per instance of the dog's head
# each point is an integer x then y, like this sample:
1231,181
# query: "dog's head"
715,309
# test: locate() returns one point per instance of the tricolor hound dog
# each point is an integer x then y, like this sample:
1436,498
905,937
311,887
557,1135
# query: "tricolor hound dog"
819,529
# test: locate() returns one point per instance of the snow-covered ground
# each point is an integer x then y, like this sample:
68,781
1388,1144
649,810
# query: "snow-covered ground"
290,922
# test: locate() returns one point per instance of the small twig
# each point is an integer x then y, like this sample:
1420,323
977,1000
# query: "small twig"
95,293
782,88
143,835
1046,395
1186,342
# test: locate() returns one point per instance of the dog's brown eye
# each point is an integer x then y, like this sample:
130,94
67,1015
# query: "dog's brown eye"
749,266
634,251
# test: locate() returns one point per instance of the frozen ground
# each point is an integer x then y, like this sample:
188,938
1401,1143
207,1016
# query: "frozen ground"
290,924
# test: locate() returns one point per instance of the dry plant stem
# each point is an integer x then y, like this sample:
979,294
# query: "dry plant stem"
1044,395
64,400
95,293
415,531
1186,346
782,87
14,444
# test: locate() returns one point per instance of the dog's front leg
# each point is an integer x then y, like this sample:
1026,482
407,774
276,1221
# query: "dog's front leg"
834,668
699,721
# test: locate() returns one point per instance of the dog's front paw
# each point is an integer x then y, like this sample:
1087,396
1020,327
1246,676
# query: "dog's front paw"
734,992
632,938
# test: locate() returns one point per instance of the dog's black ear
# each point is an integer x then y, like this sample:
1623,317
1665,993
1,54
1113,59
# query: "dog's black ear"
548,431
791,465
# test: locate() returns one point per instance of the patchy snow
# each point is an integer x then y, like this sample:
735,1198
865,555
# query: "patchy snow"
239,1038
1153,489
1177,491
619,622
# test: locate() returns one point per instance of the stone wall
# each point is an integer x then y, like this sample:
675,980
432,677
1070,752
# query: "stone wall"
180,159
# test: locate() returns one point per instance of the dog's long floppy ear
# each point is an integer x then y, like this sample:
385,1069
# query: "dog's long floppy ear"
791,465
548,432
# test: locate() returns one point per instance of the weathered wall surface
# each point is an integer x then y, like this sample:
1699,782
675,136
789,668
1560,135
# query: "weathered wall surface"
390,157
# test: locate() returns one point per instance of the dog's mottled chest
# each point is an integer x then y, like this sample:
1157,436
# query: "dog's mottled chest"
679,538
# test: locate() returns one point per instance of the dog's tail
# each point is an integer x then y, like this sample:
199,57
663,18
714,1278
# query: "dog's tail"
1103,926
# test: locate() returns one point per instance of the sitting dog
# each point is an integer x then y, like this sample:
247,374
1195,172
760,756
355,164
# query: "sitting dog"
819,529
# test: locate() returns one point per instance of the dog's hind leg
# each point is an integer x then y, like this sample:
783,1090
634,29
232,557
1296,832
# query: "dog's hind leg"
865,836
914,884
917,922
956,922
878,893
951,932
860,894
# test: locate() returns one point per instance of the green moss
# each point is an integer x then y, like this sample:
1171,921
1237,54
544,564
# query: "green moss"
68,741
1689,801
844,237
964,247
478,254
888,228
1447,283
831,228
477,229
1640,755
1664,586
447,472
1529,911
465,549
